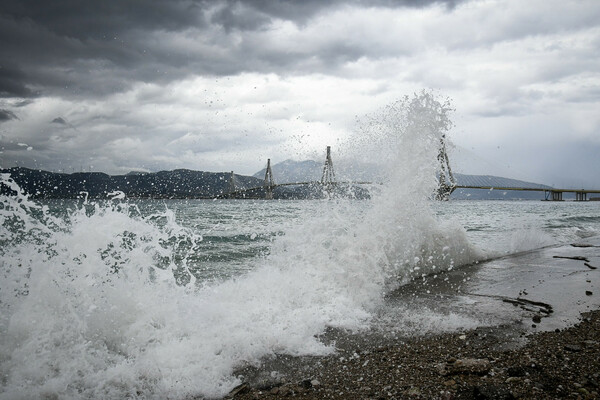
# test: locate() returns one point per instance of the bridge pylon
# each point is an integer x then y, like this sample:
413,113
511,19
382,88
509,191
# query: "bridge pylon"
446,181
328,177
269,181
231,184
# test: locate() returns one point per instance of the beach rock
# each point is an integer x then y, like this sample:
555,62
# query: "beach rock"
583,391
573,347
537,319
240,389
413,391
492,392
588,293
306,384
516,371
285,390
450,383
474,366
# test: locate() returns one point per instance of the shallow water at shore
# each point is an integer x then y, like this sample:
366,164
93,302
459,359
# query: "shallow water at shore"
543,289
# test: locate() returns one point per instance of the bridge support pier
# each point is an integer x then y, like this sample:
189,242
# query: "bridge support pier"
557,196
552,195
328,177
231,185
580,196
446,181
269,181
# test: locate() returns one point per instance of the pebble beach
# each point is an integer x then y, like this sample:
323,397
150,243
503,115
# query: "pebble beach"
550,350
477,364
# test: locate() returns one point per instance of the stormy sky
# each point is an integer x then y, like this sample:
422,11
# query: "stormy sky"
123,85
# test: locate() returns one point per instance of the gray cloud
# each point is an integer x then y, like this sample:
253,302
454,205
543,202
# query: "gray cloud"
106,19
208,84
241,17
7,115
13,82
75,49
23,103
301,11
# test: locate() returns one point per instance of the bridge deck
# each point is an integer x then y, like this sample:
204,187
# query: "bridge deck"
557,193
528,189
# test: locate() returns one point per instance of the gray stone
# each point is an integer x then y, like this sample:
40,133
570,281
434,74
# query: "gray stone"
516,371
413,391
240,389
306,384
492,392
475,366
573,347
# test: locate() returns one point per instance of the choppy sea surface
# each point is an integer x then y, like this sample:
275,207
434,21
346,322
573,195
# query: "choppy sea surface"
168,299
155,298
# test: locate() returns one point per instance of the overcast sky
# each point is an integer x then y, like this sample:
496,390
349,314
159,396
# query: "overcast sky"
125,85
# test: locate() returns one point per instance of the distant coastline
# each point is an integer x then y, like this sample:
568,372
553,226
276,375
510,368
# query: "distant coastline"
176,184
189,184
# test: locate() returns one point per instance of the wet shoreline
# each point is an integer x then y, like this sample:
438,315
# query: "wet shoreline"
554,364
537,335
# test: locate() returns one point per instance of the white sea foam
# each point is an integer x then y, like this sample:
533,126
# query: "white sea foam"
524,239
91,308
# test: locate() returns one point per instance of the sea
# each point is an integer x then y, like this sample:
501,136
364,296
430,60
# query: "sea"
139,298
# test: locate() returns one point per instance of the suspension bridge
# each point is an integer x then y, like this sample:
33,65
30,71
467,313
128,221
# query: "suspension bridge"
446,183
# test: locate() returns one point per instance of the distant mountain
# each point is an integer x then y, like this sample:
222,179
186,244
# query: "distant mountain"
294,171
309,170
180,183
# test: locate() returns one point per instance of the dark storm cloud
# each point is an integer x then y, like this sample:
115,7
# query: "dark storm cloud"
23,103
77,48
12,81
73,48
59,120
301,11
7,115
100,19
240,16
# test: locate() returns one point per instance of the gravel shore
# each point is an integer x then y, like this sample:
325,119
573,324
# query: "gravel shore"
537,349
484,363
